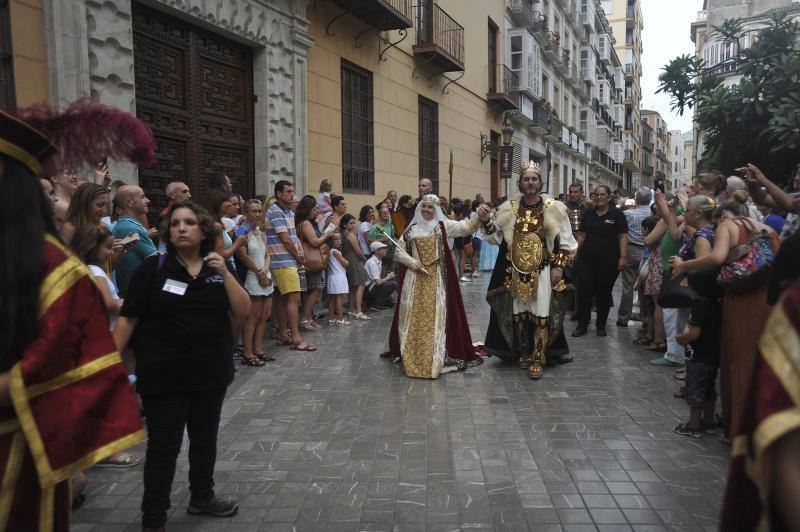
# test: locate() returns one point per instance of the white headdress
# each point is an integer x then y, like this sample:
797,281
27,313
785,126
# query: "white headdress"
420,225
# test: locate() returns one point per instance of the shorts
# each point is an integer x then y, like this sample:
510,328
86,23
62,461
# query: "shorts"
315,281
476,244
699,382
287,280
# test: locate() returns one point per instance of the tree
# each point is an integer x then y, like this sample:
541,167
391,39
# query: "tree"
756,120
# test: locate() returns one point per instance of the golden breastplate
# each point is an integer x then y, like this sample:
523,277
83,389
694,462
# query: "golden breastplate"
528,253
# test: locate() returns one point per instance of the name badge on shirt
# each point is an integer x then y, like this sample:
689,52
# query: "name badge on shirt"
175,287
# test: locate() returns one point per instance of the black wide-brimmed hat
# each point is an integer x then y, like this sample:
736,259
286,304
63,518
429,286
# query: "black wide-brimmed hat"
24,143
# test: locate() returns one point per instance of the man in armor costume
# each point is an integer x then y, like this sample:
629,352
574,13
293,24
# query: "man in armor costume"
576,206
536,244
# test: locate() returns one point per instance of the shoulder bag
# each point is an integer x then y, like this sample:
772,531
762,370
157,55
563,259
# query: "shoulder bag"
316,258
676,292
749,264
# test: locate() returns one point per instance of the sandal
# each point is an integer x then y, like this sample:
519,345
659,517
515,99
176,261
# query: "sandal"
308,326
264,357
304,346
253,362
535,372
120,460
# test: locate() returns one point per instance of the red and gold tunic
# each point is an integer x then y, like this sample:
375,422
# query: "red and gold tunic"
72,405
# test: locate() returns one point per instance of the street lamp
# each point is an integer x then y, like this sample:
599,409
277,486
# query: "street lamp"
487,146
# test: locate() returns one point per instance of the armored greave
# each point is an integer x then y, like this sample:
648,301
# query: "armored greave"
531,336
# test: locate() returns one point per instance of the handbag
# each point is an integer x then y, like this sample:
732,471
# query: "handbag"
316,259
676,292
748,265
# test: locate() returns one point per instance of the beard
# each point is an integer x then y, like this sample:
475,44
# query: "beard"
530,190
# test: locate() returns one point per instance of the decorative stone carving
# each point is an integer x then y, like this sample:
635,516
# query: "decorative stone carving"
276,29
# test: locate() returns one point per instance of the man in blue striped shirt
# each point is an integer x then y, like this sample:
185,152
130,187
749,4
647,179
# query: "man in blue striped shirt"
635,216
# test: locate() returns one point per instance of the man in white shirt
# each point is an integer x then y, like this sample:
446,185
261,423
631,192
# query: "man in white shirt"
380,290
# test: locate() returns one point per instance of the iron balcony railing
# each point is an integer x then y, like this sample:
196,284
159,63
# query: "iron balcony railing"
521,12
506,81
437,28
541,117
629,155
381,14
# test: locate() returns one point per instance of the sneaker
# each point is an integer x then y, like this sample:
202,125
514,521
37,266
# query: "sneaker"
342,323
332,322
361,316
476,274
216,507
684,429
464,279
664,361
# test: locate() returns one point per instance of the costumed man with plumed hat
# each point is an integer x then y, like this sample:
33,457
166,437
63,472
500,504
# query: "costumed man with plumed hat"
65,399
536,244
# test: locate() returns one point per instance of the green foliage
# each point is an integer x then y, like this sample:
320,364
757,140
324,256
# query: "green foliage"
757,120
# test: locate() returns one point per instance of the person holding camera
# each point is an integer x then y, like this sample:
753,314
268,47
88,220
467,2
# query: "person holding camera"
177,317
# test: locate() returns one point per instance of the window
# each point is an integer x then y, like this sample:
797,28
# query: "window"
429,141
493,88
545,88
7,93
358,149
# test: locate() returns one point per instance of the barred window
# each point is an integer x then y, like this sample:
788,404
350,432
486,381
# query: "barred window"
358,146
7,93
429,141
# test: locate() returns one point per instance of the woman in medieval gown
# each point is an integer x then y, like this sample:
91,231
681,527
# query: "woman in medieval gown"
430,332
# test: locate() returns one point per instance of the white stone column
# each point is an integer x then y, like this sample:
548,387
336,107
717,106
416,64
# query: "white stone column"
67,50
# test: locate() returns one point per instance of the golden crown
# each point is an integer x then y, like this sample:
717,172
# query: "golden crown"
530,165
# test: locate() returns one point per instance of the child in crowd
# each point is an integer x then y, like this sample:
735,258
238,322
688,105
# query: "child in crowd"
337,281
701,343
94,245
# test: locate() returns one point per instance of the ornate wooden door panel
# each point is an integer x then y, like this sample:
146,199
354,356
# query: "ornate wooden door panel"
195,90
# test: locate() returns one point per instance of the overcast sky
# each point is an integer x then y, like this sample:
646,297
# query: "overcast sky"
667,30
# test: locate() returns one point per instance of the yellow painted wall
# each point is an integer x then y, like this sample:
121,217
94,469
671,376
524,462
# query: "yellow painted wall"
463,112
27,41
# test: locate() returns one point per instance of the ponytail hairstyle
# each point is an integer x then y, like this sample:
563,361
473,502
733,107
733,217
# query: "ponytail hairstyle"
704,205
26,216
712,180
737,205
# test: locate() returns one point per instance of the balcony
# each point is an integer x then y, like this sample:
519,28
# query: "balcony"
571,10
563,62
572,75
604,48
660,174
647,170
648,146
540,123
555,129
541,33
440,39
551,47
381,14
587,14
628,155
521,13
504,89
628,69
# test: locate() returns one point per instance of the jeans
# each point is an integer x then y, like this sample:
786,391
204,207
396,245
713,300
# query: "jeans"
167,414
381,295
629,275
675,320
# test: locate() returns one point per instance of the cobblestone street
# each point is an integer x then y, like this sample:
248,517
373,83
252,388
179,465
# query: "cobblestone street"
340,440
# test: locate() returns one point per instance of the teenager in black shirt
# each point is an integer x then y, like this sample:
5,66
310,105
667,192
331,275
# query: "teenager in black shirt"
602,253
177,317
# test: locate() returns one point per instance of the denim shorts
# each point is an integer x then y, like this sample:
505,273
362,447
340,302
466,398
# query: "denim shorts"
699,382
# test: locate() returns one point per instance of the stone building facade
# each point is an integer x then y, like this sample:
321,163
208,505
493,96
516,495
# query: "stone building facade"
206,76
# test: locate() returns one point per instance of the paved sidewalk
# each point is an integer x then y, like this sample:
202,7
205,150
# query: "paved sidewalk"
340,440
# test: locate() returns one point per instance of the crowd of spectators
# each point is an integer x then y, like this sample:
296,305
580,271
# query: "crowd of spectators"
705,264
